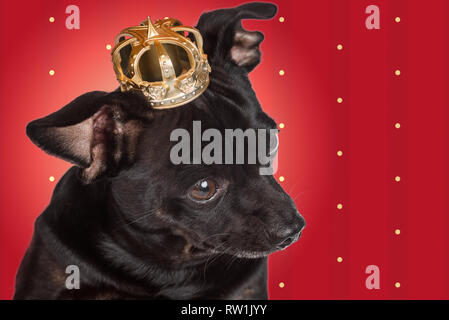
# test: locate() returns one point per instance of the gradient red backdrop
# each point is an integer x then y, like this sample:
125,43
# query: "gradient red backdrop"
362,233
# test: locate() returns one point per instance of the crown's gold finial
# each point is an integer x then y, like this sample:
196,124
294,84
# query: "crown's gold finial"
151,30
158,60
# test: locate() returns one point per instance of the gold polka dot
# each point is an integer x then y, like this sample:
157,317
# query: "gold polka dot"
397,72
397,125
339,153
51,178
281,285
51,19
339,100
397,19
397,232
51,72
339,206
281,19
339,47
397,178
339,259
281,72
281,179
108,47
397,285
281,125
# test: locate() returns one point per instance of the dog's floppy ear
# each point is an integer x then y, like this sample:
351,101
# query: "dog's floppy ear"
225,38
96,131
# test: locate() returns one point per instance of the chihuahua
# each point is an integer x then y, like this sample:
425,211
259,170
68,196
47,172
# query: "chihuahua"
134,225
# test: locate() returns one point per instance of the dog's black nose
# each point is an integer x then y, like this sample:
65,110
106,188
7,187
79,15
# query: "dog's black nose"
291,233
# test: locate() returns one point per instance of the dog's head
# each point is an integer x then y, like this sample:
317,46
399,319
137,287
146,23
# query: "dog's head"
118,140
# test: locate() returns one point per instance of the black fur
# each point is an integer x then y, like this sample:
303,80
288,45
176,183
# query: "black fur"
122,214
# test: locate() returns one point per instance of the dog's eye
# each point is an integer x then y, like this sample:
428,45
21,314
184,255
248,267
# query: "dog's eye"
203,190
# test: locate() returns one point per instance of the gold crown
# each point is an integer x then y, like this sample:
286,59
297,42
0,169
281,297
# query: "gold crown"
162,61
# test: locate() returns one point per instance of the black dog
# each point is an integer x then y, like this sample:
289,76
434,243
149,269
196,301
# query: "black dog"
138,226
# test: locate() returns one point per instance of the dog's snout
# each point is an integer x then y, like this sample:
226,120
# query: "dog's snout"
290,233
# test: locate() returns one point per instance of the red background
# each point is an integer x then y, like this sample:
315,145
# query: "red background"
316,126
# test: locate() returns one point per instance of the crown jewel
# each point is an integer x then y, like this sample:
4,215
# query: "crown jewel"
164,60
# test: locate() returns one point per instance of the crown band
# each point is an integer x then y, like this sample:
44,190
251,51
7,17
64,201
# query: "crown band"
159,60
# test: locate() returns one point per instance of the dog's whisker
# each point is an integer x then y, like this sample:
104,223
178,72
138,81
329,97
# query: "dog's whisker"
142,216
297,196
292,189
216,235
213,258
231,262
